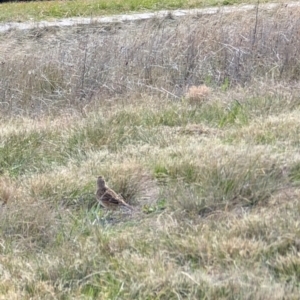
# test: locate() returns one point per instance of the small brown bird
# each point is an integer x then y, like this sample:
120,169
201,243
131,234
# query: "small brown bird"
107,197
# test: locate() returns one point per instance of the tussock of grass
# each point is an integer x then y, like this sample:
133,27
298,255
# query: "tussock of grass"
134,182
214,182
222,182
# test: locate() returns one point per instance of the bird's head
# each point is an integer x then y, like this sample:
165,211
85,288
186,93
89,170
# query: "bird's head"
100,182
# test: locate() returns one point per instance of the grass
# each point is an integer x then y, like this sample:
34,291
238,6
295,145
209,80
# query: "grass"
213,218
69,69
39,10
206,150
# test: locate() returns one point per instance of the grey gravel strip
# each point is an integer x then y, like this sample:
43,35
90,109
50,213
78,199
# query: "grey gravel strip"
138,16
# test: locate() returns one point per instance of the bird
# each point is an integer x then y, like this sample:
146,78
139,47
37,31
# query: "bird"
108,198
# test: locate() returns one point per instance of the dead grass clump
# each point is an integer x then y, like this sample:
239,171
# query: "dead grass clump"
61,189
197,94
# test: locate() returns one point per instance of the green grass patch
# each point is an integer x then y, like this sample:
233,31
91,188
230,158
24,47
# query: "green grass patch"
223,184
28,153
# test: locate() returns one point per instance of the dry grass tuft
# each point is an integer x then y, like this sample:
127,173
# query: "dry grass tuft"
197,94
